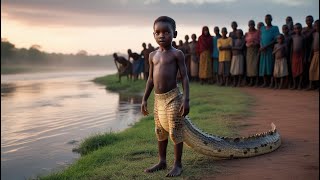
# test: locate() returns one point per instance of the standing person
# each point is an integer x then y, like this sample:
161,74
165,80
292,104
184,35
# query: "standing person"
215,54
145,53
205,50
259,25
137,64
252,38
297,55
289,23
269,34
307,33
170,107
194,58
150,47
187,54
314,67
224,46
182,48
288,42
237,58
280,65
233,33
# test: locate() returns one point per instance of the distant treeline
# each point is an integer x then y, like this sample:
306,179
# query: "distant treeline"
11,56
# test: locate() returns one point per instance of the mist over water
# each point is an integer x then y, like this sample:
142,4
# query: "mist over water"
45,115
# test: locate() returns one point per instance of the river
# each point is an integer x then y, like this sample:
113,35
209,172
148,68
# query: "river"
45,115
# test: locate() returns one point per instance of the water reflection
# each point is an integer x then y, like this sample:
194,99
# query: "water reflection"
44,118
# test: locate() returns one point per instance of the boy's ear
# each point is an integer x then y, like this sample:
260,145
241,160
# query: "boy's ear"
175,34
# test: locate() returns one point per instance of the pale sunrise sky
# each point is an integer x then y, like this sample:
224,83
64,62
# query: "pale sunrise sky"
107,26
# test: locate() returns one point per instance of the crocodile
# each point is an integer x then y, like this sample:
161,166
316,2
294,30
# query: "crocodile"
230,147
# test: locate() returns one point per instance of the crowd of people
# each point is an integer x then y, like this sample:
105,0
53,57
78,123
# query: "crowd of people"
261,57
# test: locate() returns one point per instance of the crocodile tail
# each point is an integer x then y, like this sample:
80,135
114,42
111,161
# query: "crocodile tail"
230,147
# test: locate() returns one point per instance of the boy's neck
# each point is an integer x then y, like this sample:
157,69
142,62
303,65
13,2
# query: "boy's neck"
165,48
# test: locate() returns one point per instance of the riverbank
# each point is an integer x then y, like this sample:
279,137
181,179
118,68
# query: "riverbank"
126,154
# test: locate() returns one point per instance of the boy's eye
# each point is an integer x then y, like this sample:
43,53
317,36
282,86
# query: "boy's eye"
166,33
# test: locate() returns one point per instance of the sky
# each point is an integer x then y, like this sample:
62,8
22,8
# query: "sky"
107,26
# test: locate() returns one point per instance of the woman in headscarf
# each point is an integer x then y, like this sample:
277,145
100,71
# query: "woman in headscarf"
205,50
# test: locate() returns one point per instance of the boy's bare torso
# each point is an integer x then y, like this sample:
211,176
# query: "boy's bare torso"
238,44
297,43
165,68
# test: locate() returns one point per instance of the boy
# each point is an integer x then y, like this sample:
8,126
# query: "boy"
137,64
224,45
215,54
145,53
314,67
237,62
280,66
297,54
288,41
169,107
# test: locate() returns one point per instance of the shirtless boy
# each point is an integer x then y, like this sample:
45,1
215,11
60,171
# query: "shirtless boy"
170,106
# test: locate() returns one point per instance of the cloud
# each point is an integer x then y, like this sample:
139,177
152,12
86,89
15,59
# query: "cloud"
143,12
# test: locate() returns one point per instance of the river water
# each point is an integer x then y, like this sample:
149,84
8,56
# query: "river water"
45,115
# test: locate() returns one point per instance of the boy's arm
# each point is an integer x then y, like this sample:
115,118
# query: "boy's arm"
149,87
184,109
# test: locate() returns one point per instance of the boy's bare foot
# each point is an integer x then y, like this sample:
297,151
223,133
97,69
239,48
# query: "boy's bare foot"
176,171
157,167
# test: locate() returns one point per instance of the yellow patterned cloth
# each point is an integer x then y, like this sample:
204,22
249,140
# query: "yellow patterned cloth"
168,120
206,67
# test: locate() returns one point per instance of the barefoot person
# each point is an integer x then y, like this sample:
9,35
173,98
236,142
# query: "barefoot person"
170,105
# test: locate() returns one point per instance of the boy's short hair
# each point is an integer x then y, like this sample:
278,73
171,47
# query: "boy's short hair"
166,19
298,25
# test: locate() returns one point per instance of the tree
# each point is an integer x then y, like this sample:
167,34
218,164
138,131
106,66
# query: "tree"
82,53
7,50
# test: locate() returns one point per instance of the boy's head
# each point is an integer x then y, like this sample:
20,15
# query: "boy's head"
144,45
280,38
194,37
251,24
234,25
285,29
180,43
309,20
216,30
239,33
115,55
164,30
129,51
186,37
259,25
297,28
268,19
224,31
288,19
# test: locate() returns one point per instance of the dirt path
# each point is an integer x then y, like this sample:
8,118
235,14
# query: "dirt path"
296,115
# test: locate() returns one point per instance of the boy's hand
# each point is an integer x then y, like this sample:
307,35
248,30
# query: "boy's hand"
184,109
144,108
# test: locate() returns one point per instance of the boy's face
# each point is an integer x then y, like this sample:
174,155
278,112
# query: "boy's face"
297,29
309,21
216,31
193,37
163,33
234,26
285,29
279,39
251,24
268,20
224,32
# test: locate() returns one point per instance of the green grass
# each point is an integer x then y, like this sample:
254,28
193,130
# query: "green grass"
126,154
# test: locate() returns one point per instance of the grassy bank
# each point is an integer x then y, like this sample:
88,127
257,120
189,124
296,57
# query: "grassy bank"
126,154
